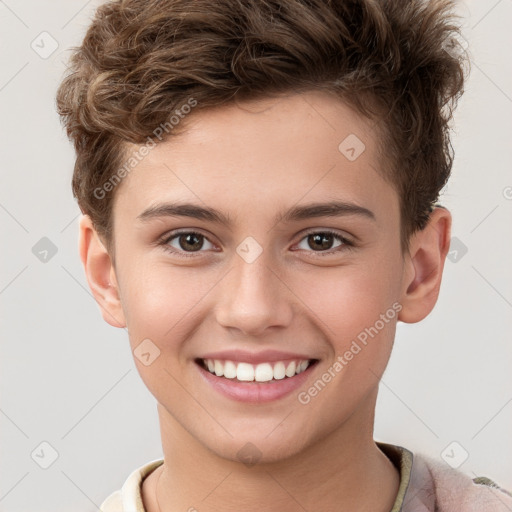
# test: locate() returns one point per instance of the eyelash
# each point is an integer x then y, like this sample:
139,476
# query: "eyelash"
346,243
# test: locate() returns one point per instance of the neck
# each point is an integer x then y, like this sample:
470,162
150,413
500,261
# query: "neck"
343,471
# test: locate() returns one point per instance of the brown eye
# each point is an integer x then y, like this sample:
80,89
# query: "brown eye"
190,241
322,241
187,241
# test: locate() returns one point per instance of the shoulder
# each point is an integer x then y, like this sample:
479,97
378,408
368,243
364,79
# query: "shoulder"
455,490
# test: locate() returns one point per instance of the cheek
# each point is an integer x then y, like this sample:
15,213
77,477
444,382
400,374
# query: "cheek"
357,311
160,305
348,299
159,301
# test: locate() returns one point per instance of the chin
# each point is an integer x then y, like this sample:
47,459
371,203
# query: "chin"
253,450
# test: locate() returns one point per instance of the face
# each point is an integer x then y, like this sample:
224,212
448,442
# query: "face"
264,233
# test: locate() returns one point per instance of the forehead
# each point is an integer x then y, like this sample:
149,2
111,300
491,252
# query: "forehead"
262,155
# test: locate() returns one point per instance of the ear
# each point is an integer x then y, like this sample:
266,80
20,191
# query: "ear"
424,264
100,273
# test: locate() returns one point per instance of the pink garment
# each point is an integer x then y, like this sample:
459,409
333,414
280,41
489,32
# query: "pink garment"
436,487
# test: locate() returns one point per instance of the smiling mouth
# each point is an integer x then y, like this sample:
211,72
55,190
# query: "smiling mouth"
262,372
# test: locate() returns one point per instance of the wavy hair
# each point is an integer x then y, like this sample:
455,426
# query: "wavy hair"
391,60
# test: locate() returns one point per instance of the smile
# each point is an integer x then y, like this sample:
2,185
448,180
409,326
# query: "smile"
262,372
257,382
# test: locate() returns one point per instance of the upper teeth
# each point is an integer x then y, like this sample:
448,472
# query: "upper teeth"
262,372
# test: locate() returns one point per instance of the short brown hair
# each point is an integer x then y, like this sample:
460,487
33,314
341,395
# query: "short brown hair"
141,60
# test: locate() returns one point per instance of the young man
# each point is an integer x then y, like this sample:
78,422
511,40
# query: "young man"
258,182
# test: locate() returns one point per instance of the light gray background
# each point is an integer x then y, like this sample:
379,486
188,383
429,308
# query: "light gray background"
69,379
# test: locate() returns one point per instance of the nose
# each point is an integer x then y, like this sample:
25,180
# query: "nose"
253,298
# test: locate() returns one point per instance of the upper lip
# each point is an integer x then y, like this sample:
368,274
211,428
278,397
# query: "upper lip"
264,356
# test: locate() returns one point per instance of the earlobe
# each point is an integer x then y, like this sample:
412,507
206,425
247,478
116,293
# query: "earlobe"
424,267
100,273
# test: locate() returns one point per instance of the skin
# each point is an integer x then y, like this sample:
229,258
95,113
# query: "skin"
251,161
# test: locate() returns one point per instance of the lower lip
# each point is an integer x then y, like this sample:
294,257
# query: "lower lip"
255,391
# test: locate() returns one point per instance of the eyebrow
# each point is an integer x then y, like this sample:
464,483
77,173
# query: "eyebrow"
296,213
